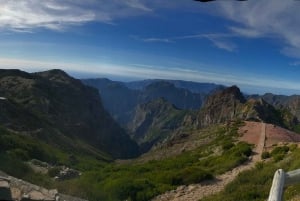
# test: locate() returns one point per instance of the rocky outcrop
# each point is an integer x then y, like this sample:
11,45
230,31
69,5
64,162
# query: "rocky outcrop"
221,106
5,193
13,189
230,104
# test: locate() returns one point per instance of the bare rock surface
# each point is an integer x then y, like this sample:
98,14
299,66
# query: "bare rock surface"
13,189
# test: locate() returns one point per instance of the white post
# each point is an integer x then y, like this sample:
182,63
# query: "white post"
277,186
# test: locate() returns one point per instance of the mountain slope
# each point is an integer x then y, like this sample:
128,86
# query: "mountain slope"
155,121
61,106
181,98
117,99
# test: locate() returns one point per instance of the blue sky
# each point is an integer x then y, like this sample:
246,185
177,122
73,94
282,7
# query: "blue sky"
253,44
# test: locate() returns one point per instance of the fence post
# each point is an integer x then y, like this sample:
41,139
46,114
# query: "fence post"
277,186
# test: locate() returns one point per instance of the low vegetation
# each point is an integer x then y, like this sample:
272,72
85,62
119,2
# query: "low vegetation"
131,181
143,181
255,184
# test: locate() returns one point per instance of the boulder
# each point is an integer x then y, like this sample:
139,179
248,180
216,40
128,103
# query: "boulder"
5,193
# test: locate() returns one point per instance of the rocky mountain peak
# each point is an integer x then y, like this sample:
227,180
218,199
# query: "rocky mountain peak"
228,97
58,75
234,92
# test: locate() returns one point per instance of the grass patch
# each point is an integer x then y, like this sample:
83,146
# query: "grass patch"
255,184
134,181
143,181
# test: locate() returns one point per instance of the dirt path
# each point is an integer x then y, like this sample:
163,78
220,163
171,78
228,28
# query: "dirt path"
261,143
195,192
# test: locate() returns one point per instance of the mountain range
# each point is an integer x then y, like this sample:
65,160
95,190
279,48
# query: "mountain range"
121,98
164,127
153,110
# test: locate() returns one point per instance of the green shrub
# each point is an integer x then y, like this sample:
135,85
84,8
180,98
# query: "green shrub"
14,166
19,154
293,147
265,155
52,172
191,175
259,165
278,157
227,145
280,150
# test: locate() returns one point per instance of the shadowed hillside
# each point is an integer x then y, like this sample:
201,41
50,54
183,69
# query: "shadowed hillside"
59,109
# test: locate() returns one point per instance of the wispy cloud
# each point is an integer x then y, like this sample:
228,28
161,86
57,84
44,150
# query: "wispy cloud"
223,44
219,40
28,15
275,19
153,40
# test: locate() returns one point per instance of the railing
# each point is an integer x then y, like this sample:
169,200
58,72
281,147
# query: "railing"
280,180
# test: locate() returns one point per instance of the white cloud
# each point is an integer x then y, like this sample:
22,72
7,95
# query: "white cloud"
26,15
223,44
275,19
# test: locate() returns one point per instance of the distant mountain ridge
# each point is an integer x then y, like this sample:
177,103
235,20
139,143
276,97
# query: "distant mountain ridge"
121,98
194,87
290,103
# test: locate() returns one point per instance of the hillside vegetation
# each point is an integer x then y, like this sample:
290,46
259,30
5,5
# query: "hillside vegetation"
136,180
255,184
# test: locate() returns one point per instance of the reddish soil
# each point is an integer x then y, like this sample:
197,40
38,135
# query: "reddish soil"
252,133
277,135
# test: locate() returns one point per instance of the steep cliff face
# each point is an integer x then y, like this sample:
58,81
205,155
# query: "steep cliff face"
230,104
155,121
118,100
222,106
56,101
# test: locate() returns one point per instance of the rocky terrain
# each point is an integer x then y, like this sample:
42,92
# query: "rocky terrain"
230,104
13,189
282,102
